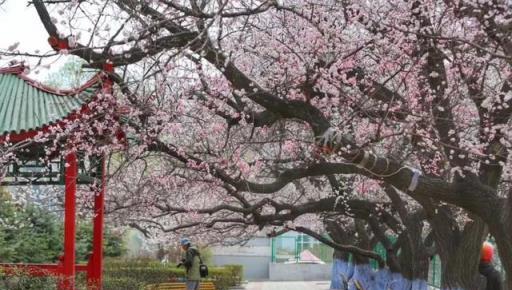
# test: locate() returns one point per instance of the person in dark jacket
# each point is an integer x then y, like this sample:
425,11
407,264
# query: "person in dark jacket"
191,261
486,268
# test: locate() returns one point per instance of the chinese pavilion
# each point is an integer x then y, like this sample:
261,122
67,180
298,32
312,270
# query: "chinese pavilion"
27,110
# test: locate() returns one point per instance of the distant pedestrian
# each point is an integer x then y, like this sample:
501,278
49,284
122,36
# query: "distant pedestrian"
486,268
192,261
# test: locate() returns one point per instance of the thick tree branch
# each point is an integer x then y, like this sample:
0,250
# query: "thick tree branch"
346,248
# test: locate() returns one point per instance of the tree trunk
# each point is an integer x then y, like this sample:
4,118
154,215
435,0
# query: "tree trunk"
414,262
342,268
363,277
460,259
459,250
414,259
342,271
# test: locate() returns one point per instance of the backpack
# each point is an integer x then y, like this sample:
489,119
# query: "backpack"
203,269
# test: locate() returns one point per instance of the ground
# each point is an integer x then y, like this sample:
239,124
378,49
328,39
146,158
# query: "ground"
295,285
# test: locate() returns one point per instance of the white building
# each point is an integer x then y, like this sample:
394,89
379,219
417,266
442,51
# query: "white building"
280,259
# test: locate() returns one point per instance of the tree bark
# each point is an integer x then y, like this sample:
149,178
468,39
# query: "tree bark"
461,256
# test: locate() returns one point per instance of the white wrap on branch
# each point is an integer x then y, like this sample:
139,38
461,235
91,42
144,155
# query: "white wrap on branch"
363,161
333,139
414,180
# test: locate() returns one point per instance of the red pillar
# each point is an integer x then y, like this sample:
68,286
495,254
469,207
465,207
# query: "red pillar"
95,267
68,261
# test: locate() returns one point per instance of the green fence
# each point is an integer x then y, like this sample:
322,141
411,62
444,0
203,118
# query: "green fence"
290,248
300,248
434,272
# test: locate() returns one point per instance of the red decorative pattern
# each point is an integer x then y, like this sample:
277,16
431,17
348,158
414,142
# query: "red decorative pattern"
19,70
57,43
16,69
108,67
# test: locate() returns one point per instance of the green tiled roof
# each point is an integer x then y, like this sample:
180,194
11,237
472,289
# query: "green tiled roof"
26,105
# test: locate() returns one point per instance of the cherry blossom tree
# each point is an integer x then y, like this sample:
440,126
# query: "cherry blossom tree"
254,115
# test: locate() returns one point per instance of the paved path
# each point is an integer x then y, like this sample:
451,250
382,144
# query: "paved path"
288,285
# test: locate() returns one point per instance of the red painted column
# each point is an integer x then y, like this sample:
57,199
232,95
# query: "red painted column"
68,262
95,267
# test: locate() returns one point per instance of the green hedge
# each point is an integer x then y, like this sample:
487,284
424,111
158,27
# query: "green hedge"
237,272
129,275
23,282
115,283
132,274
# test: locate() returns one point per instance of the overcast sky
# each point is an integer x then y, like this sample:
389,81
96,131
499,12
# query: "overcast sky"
20,23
